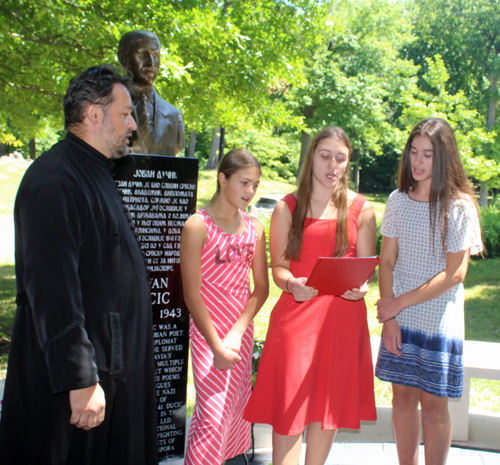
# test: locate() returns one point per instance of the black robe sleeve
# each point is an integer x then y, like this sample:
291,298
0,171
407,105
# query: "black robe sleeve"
50,252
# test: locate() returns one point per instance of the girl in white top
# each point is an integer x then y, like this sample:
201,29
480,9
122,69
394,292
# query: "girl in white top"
429,230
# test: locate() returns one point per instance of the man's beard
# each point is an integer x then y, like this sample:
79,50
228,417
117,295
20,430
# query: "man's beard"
118,151
117,148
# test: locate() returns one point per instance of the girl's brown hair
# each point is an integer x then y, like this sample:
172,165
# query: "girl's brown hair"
449,180
233,161
304,193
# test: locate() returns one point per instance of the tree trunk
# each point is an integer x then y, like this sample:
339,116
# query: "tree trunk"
355,168
221,142
214,153
3,150
492,113
305,140
192,144
32,147
483,194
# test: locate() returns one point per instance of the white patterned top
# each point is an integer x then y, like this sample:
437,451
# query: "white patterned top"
432,331
420,258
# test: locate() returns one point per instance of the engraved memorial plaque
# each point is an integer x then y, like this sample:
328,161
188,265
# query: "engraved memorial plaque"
160,193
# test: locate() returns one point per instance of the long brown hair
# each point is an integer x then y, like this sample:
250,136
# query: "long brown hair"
304,193
233,161
449,180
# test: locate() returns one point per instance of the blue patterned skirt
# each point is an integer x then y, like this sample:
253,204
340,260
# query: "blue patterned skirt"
431,363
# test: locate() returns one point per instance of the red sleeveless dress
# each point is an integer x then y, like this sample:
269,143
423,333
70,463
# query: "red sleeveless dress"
316,365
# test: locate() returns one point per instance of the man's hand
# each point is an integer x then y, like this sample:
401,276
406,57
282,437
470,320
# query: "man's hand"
87,407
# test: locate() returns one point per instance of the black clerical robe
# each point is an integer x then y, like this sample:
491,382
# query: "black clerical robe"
84,317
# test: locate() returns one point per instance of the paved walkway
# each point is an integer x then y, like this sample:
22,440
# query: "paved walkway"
376,454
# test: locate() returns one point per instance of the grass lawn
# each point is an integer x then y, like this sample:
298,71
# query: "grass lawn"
11,174
7,309
482,296
482,318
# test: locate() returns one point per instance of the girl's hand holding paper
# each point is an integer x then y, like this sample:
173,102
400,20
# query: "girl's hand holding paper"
356,294
300,291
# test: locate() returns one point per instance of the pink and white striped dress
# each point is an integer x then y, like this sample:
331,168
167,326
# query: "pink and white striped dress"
218,431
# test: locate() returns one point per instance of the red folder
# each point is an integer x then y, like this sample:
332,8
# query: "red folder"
336,275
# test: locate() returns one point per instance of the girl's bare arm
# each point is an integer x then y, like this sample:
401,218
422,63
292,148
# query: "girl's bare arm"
194,235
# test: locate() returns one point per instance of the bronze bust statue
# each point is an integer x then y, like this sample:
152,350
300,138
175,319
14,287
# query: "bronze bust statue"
160,127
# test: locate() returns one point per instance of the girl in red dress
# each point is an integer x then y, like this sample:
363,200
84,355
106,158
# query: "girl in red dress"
316,367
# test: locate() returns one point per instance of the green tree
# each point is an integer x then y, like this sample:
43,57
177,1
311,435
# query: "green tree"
472,137
466,33
220,59
354,76
278,154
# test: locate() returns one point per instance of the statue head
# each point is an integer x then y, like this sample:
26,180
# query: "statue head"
139,52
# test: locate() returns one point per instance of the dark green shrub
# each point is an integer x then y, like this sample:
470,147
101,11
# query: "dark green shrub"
378,239
490,224
266,222
257,352
379,173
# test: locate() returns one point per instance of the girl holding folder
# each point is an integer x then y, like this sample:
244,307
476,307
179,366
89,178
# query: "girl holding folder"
316,367
430,228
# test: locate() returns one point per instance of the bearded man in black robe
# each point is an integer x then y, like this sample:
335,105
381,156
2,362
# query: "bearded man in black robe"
80,379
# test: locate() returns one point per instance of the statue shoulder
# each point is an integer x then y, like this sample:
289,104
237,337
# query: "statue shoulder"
165,108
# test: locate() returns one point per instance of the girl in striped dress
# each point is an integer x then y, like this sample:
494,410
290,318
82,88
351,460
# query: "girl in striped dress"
219,246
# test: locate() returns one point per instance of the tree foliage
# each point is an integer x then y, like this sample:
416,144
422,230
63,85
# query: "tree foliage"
278,154
354,76
270,71
470,132
466,33
220,60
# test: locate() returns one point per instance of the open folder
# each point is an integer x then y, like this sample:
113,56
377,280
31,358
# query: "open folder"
336,275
